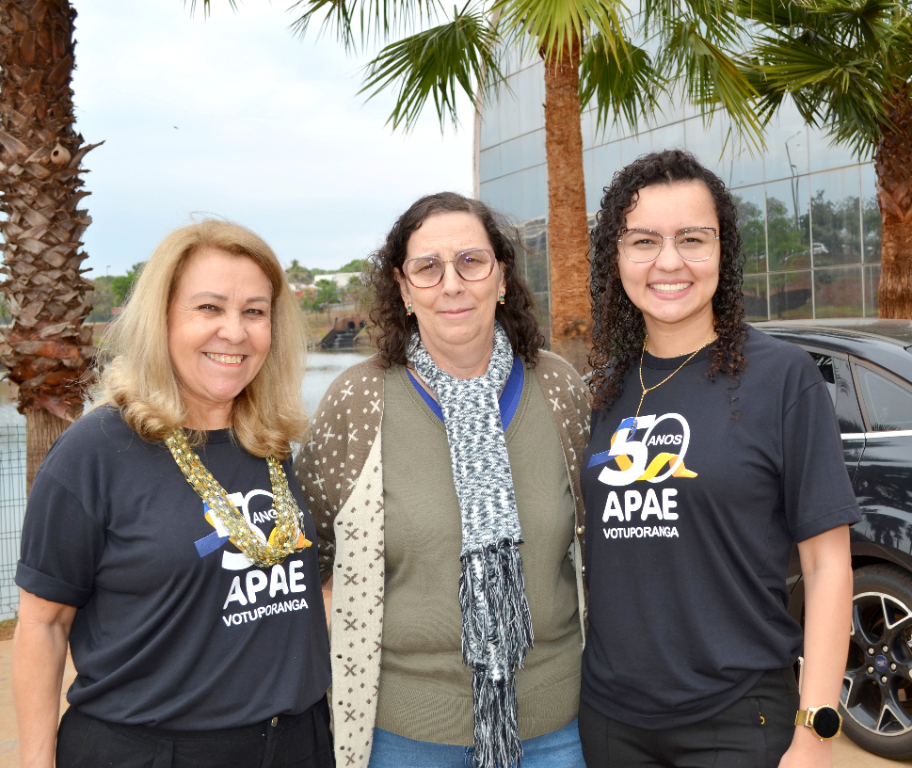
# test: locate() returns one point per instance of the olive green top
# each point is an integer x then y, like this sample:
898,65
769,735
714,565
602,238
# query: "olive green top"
425,689
341,471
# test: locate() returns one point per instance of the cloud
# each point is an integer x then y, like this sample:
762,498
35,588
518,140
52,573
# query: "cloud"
235,116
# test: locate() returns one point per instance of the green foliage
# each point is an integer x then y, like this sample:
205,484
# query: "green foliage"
435,64
699,44
436,52
788,236
355,265
360,293
872,222
326,294
549,25
618,87
122,285
373,19
753,235
297,273
837,229
840,60
5,317
102,300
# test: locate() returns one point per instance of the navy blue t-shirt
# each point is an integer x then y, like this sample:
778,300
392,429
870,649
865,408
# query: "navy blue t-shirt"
175,627
690,520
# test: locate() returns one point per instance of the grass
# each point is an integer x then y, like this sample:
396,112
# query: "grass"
7,628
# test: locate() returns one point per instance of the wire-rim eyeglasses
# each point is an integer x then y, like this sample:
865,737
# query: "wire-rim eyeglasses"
692,244
471,265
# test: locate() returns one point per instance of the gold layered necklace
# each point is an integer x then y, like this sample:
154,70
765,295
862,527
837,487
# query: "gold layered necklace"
646,389
285,538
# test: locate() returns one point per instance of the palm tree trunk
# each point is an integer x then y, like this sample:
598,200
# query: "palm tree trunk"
46,348
568,230
893,164
42,428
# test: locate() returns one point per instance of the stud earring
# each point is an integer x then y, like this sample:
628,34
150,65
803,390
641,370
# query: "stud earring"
501,299
408,309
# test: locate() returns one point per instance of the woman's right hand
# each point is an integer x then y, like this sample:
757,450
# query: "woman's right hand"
39,657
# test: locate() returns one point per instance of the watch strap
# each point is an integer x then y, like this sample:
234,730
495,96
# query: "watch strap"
804,717
807,716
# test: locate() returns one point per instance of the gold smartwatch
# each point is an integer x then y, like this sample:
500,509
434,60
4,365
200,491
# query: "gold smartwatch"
825,721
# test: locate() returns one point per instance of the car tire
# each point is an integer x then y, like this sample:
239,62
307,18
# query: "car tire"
876,699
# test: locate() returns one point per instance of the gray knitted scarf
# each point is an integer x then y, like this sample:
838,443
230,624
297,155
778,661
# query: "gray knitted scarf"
496,623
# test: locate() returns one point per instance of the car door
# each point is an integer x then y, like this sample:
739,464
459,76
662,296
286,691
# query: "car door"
883,480
836,371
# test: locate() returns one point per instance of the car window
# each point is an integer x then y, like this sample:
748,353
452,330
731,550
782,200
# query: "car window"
825,366
889,405
838,380
847,409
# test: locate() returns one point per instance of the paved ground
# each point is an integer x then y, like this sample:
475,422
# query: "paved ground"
845,753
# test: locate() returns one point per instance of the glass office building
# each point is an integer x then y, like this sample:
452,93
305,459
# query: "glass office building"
808,211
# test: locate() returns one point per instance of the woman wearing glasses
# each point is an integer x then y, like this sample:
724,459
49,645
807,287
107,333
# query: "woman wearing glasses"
714,448
443,476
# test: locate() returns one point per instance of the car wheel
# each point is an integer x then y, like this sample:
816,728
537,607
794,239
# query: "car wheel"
876,699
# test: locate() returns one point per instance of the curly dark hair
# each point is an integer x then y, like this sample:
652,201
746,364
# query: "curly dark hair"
393,328
618,329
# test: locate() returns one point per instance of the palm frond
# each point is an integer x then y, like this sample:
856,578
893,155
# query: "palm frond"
715,18
711,76
833,87
434,65
207,7
553,24
357,23
780,14
626,87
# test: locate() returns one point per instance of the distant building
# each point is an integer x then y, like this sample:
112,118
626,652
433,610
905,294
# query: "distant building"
341,279
809,215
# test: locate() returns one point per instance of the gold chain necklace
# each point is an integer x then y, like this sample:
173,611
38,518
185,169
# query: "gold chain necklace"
285,538
690,357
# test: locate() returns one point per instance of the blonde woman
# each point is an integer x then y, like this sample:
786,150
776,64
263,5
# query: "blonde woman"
162,539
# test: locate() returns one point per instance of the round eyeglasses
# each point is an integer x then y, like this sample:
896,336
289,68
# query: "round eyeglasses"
427,271
641,245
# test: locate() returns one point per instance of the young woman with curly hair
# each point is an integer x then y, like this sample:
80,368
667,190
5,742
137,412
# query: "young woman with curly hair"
444,476
714,448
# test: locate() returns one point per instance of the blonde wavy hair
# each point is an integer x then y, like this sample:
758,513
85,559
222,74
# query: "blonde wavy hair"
268,415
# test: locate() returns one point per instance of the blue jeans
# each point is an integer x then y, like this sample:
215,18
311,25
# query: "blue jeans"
558,749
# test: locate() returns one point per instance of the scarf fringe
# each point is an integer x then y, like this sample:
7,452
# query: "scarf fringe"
497,742
496,633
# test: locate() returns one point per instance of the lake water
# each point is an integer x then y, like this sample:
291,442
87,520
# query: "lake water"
322,368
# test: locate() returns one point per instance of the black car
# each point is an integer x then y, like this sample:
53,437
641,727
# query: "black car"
867,365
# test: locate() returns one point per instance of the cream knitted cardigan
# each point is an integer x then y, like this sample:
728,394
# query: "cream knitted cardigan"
342,477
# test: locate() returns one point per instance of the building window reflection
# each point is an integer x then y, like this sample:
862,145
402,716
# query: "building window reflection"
837,292
791,296
871,282
751,204
808,213
836,217
756,302
788,224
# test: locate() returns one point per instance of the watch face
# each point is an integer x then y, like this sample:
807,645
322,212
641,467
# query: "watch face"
826,722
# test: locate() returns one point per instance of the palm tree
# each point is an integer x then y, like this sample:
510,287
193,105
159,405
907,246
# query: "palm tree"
431,54
46,348
847,64
296,273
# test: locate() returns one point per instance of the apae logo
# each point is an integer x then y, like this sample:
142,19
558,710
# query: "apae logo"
630,460
262,592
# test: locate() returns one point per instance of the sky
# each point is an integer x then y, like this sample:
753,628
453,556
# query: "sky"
236,116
